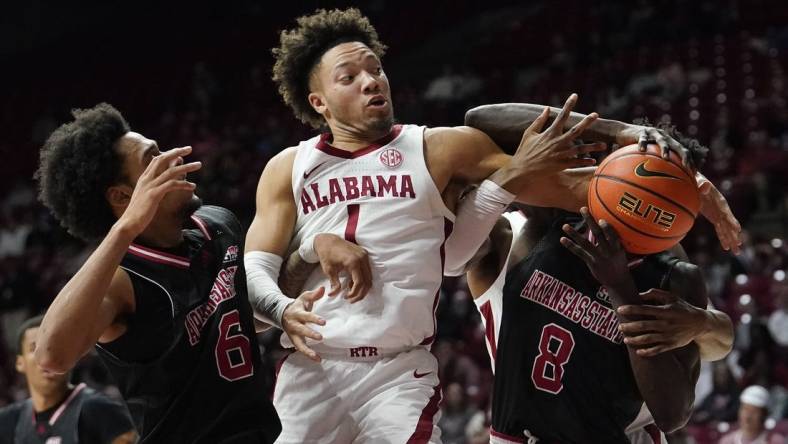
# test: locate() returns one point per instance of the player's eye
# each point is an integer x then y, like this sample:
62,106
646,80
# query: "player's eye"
346,78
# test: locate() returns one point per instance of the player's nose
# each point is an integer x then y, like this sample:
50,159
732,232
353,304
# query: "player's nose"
370,83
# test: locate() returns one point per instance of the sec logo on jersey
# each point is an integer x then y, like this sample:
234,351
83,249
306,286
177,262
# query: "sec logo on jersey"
391,157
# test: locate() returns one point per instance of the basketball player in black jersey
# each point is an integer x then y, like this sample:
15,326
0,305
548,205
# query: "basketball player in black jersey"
163,296
563,372
57,411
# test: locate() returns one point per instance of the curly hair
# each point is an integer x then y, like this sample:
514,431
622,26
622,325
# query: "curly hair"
300,50
78,162
698,152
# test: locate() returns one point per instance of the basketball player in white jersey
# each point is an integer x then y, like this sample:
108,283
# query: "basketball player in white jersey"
366,374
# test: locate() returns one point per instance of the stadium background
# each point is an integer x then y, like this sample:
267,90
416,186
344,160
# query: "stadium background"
195,75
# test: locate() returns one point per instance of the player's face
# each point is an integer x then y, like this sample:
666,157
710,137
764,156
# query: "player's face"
751,418
39,380
350,90
138,151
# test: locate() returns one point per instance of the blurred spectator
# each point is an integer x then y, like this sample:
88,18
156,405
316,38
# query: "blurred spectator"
721,404
778,320
752,417
456,414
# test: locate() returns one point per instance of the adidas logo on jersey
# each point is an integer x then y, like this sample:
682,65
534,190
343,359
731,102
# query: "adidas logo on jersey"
231,255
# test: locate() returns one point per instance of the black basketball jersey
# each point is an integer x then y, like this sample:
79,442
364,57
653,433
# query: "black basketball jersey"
188,365
83,417
562,372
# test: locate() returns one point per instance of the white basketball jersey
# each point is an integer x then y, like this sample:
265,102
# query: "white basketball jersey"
383,198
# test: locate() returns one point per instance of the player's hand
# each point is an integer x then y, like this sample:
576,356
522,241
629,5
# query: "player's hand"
715,209
296,317
644,135
165,173
338,256
607,260
671,324
541,153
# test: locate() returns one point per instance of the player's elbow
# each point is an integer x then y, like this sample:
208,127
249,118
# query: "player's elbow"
52,361
472,116
672,417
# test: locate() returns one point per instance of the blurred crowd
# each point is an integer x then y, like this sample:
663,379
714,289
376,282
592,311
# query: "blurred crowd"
717,70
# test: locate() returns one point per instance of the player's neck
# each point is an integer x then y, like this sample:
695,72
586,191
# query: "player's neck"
161,236
352,139
43,401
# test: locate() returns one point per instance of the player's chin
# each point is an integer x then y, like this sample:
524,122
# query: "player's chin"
381,122
192,204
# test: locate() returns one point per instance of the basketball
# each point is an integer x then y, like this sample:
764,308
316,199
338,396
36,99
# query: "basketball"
650,201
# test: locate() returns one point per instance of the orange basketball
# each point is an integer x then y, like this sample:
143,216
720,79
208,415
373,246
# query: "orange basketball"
650,201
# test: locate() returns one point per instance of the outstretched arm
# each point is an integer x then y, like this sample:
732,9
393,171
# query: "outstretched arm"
504,123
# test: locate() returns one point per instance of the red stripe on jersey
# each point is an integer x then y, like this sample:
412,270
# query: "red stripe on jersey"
201,225
505,437
423,431
654,433
489,327
158,256
448,226
324,144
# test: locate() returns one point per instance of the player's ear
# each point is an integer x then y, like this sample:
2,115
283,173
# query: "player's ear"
317,102
118,197
20,364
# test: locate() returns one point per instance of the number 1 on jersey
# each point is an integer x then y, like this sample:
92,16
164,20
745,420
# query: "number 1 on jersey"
352,223
553,360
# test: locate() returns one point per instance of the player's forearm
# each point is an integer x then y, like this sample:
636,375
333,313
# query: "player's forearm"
68,329
717,340
294,274
671,408
505,123
567,190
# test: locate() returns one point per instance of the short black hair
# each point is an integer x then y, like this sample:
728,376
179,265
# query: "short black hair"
27,325
300,50
78,162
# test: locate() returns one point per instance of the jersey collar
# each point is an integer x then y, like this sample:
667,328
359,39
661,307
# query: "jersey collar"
324,144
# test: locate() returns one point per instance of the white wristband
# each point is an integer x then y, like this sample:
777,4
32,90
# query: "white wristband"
476,216
307,250
262,274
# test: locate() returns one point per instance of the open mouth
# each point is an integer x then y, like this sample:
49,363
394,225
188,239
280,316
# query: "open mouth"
377,102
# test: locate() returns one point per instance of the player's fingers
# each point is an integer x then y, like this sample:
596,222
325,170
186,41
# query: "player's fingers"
658,296
596,231
557,126
581,126
165,159
643,141
333,278
610,235
357,281
664,145
301,346
643,340
576,162
653,351
640,327
576,250
657,311
303,330
684,154
312,295
308,317
537,125
172,185
177,171
578,239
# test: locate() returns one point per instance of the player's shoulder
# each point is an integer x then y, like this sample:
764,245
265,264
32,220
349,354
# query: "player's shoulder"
95,403
9,415
217,217
442,135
